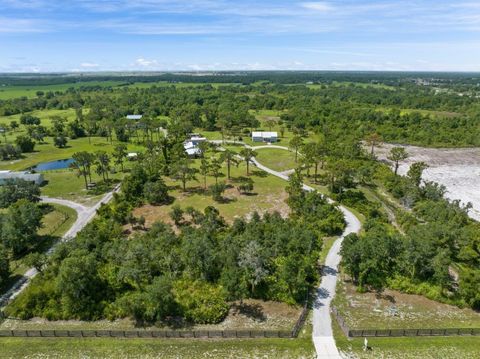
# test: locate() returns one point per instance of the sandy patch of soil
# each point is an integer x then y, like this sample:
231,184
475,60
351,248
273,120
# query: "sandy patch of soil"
457,169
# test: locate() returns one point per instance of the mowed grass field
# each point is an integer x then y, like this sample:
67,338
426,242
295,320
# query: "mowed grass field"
151,348
277,159
408,348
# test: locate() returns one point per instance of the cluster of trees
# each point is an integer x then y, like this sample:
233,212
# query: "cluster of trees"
19,223
438,255
157,275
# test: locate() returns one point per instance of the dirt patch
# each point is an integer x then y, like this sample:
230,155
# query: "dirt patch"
392,309
457,169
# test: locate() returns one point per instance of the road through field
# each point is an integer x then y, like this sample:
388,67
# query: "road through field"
84,215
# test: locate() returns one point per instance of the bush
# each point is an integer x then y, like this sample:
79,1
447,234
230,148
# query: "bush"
201,302
156,192
25,143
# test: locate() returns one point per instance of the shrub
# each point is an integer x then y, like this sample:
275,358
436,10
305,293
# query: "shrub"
201,302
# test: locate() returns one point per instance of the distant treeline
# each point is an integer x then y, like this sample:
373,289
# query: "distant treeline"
243,77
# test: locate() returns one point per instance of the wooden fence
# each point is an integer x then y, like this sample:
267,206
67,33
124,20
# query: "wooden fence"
239,334
355,333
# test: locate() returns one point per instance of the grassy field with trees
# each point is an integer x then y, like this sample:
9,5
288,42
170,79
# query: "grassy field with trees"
186,238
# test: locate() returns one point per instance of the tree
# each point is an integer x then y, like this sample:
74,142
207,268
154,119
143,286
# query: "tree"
25,143
252,264
82,163
29,120
60,141
246,186
248,154
204,170
229,158
103,164
296,143
36,260
217,191
15,189
270,123
183,172
19,226
176,214
415,172
79,285
14,125
4,265
396,155
215,167
156,192
373,140
119,154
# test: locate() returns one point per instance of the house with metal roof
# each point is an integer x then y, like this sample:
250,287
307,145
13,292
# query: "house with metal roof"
134,117
36,178
259,136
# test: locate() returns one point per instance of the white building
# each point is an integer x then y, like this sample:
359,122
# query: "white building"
191,145
258,136
134,117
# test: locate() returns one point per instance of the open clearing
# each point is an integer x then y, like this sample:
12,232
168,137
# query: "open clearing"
268,196
277,159
457,169
393,309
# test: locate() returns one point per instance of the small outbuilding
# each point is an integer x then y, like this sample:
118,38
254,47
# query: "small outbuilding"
36,178
259,136
134,117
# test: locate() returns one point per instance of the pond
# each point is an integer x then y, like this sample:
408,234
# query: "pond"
53,165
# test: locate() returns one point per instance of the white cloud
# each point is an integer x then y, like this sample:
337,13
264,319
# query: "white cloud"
317,6
89,65
146,63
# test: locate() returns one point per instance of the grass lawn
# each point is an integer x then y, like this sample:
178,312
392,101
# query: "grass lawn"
276,159
268,195
57,222
408,348
67,185
151,348
48,152
371,311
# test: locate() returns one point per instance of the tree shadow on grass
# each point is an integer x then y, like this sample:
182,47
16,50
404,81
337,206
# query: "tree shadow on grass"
259,173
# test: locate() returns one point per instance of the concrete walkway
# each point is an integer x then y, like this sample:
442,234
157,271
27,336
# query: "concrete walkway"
84,215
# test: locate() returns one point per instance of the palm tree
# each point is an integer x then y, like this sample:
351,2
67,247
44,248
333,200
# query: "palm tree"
229,158
248,154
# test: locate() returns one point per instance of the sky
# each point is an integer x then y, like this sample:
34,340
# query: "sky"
206,35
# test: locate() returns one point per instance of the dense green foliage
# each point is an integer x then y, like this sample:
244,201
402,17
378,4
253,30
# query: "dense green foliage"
13,190
438,256
156,275
19,225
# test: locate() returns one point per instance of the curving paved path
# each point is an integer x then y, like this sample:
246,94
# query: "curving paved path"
322,323
84,215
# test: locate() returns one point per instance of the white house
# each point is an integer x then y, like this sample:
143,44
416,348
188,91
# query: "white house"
258,136
191,145
134,117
